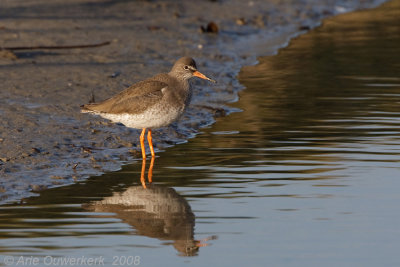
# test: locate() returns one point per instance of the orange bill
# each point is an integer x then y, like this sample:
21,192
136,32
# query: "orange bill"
202,76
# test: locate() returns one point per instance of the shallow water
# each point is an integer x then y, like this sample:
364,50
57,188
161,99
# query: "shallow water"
306,175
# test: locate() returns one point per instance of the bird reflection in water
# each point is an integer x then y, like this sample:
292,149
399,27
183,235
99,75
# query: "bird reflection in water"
155,211
149,174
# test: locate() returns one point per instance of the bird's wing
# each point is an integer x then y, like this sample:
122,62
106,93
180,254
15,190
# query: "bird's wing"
134,99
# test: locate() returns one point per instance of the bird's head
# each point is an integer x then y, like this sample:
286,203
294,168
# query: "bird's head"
186,68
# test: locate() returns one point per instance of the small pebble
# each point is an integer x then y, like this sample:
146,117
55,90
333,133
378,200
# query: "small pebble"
38,187
304,28
115,74
86,149
177,15
35,150
212,27
241,21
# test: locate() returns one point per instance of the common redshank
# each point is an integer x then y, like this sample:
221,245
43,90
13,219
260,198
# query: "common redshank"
152,103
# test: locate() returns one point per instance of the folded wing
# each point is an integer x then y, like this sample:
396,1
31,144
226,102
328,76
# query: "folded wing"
135,99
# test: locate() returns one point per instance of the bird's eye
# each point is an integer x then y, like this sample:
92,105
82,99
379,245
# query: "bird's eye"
186,67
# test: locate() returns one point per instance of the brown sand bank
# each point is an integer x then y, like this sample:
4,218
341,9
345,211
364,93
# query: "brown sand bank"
45,140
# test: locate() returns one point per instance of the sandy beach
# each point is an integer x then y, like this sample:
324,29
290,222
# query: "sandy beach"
44,139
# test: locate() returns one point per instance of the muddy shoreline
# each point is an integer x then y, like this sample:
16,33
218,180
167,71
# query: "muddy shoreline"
45,141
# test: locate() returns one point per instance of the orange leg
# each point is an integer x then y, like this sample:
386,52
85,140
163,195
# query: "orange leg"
150,174
200,244
142,180
142,143
150,139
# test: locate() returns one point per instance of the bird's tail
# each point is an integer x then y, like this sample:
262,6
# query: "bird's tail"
88,108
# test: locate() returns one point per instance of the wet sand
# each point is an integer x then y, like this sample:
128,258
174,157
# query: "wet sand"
44,139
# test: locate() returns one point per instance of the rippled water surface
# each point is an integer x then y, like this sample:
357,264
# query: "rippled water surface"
307,175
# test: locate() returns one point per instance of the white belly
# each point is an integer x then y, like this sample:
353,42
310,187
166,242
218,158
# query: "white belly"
152,118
